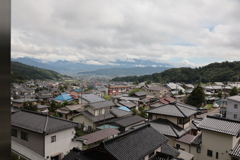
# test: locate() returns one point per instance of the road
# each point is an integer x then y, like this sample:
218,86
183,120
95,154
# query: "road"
212,111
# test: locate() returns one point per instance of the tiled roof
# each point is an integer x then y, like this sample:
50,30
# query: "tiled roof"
140,93
42,106
91,98
156,105
24,100
135,144
102,104
167,149
120,113
128,104
163,101
155,88
75,154
40,123
197,140
174,109
187,138
236,150
220,125
167,128
73,107
235,98
170,99
98,135
97,118
127,121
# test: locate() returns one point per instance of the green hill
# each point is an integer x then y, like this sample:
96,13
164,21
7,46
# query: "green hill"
214,72
21,72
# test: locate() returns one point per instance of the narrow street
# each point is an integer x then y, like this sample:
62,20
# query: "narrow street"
212,111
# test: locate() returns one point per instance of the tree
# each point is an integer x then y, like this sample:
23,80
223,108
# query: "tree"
234,91
219,94
107,97
180,92
133,91
29,106
197,97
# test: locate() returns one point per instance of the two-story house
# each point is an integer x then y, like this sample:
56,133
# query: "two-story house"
233,107
95,114
41,137
220,139
173,120
142,143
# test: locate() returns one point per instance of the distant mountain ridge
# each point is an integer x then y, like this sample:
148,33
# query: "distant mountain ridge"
214,72
126,71
64,67
21,72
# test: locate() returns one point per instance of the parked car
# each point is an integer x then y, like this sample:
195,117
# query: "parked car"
202,110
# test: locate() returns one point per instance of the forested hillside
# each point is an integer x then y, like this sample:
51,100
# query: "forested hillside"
225,71
21,72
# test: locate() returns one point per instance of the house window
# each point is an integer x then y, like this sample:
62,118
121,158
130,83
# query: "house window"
24,136
178,146
53,139
198,149
235,116
209,153
216,155
183,120
235,106
14,132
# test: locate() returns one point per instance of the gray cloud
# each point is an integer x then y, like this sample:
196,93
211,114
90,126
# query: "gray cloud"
103,31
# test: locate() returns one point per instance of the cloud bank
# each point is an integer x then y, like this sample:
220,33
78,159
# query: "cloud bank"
184,33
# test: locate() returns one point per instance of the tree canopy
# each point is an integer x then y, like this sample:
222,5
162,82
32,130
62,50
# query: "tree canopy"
197,97
214,72
234,91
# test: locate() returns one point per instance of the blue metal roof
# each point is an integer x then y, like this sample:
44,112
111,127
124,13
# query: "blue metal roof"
124,108
107,126
78,90
63,97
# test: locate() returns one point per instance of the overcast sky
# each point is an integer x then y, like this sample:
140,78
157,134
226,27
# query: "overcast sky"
183,33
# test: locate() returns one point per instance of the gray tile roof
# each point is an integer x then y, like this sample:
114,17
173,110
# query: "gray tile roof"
169,150
220,125
135,144
102,104
97,118
91,98
140,93
167,128
120,112
174,109
40,123
128,104
235,98
236,150
128,121
42,106
24,100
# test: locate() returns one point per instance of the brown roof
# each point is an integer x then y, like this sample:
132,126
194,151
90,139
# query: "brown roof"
99,135
170,99
163,101
186,139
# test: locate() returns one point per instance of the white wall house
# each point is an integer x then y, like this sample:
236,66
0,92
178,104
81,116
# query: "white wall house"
41,137
233,108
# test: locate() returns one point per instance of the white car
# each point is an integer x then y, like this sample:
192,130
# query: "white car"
215,105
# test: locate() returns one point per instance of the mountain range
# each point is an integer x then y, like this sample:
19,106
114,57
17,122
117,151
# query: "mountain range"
133,67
